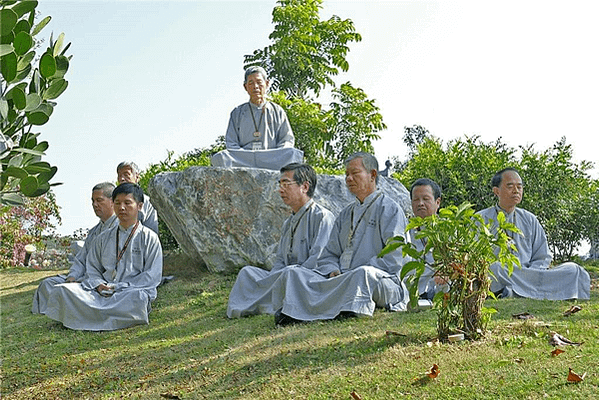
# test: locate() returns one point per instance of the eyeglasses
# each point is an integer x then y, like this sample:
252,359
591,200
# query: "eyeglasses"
286,184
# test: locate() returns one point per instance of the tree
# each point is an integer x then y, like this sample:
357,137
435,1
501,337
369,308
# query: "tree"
26,100
306,52
558,191
305,55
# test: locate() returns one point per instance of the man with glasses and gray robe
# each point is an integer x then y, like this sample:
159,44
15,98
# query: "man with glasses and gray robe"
304,235
350,279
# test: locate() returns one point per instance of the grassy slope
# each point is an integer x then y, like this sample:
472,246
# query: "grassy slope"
190,349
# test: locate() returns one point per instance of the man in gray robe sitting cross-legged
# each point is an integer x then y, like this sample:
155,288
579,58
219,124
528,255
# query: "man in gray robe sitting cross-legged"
537,278
103,208
123,270
259,134
304,235
350,279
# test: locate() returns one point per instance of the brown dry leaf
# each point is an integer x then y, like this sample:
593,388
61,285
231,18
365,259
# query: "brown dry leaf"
433,372
394,333
355,395
170,396
572,310
523,315
557,352
574,377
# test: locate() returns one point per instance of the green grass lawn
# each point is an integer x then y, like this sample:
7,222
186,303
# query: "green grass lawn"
191,350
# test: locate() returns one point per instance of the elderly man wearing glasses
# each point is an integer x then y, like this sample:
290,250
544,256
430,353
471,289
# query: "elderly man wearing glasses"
303,237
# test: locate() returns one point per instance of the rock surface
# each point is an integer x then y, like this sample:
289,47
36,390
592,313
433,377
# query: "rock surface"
229,218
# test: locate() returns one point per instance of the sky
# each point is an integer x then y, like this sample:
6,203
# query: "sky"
148,77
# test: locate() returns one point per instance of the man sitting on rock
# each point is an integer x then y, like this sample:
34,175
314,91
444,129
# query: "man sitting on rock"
259,134
128,171
103,208
350,279
124,268
304,235
537,279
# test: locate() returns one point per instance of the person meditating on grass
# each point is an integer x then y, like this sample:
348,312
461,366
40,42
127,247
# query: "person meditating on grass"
304,235
350,279
537,279
104,209
259,134
124,268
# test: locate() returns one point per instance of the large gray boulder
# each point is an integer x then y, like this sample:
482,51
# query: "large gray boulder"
231,217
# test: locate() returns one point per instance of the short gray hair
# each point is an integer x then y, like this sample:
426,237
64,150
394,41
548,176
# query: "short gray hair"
368,161
253,70
106,188
129,164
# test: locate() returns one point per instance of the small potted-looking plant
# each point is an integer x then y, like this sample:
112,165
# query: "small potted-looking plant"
463,248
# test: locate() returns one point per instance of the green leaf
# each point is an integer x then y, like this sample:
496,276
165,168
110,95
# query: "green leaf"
42,188
38,167
8,20
62,66
47,65
23,7
42,146
58,45
22,43
16,172
29,186
8,66
11,199
57,87
33,102
25,60
22,74
44,177
37,117
41,25
3,108
22,26
6,49
34,86
7,39
18,97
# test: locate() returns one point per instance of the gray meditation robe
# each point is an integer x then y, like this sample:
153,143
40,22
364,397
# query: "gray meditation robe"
148,215
536,279
366,281
135,278
272,149
77,270
304,235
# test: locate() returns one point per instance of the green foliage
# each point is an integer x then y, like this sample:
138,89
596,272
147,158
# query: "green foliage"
463,169
328,137
557,190
463,247
26,224
305,55
26,94
306,51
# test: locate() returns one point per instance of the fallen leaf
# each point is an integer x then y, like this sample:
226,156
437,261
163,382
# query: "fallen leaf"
574,377
557,352
523,315
170,396
433,372
355,396
572,310
394,333
555,339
